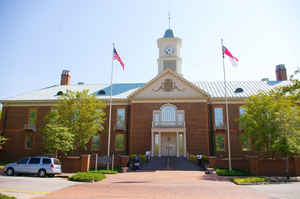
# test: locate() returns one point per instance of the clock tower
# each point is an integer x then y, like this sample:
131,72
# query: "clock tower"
169,52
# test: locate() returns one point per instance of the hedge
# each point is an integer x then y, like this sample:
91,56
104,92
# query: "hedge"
250,180
226,172
87,177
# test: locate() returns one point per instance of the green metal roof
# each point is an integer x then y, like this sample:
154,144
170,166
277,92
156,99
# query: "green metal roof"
169,33
123,90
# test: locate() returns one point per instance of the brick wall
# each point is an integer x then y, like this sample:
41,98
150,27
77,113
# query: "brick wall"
258,166
235,131
75,163
104,135
14,149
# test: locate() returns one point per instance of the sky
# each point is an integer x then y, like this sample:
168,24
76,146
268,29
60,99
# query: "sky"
41,38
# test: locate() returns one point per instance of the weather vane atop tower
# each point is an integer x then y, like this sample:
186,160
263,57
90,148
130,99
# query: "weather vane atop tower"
169,17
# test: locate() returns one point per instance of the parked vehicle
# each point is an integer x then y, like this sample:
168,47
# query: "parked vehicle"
40,165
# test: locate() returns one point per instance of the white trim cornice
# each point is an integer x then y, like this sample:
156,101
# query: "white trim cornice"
47,104
169,101
232,102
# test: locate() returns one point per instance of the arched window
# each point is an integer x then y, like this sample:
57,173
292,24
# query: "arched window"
168,113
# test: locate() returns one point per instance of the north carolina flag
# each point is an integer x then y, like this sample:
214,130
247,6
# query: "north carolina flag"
117,57
234,60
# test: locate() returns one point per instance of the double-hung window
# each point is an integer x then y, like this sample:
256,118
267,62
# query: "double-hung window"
220,142
28,141
95,142
121,119
120,142
219,121
32,117
242,111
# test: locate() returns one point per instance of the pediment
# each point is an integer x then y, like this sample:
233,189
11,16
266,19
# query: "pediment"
169,85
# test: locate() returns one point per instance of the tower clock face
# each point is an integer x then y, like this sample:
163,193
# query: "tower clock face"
169,51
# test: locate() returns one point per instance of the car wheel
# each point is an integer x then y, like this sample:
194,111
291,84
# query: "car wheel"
10,172
42,173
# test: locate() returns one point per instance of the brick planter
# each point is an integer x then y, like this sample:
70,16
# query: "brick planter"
297,165
124,159
212,161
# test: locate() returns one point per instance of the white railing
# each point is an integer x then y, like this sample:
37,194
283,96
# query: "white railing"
121,126
168,124
29,127
220,126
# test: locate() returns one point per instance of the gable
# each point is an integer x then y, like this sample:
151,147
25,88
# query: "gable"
169,85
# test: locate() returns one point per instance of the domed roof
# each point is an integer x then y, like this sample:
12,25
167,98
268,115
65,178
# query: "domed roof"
169,33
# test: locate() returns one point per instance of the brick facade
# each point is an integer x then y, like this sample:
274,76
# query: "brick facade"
139,116
13,129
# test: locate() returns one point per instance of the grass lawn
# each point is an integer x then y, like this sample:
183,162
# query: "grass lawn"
250,180
226,172
6,197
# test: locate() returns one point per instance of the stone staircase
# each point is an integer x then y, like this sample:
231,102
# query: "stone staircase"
170,163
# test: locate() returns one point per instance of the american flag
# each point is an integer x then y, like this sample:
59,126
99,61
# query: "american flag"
117,57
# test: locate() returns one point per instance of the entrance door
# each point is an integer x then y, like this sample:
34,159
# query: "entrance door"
168,144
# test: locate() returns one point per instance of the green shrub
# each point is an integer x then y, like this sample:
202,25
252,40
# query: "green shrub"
3,163
103,171
193,157
204,157
87,177
6,197
141,157
250,180
226,172
132,156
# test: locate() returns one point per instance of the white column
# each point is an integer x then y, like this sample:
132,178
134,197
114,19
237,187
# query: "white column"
159,144
177,144
184,138
152,144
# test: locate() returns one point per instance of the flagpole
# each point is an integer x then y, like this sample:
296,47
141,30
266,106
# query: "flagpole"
110,107
227,115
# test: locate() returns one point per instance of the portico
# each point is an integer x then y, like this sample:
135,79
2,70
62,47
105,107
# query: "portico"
168,134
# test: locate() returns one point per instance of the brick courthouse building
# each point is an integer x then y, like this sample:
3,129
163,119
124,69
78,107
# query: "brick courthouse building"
169,115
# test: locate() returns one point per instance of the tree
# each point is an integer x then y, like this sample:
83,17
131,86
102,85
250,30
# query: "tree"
2,140
289,140
292,90
271,121
258,122
56,138
76,113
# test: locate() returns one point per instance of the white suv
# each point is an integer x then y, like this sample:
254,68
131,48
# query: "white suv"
39,165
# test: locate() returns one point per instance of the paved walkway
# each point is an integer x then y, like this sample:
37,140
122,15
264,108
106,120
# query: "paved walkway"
279,190
157,185
25,187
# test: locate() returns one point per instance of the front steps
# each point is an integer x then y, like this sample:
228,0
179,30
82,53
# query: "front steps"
170,163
